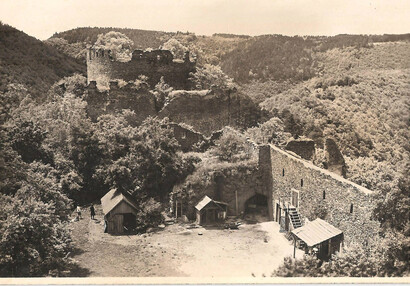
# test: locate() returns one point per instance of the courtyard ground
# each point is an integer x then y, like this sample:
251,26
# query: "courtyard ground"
177,250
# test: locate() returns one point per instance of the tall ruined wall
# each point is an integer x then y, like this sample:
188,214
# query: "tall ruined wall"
287,172
111,101
101,67
209,111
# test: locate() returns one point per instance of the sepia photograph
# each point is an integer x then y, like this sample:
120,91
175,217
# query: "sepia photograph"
218,141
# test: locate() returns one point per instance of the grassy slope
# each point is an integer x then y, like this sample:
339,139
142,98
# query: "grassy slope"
26,60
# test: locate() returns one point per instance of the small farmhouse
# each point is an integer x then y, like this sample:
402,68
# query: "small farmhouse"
119,212
209,211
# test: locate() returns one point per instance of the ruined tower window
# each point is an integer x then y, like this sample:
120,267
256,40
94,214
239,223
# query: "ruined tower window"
301,182
283,172
351,208
324,194
102,53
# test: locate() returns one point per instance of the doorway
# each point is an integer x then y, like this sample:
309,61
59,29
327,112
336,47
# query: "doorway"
130,222
256,208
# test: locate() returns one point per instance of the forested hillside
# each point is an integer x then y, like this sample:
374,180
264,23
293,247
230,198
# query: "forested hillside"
142,38
355,89
28,61
361,97
207,49
244,58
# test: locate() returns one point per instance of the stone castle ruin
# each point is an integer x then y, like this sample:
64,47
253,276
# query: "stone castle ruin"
287,186
287,189
103,68
112,87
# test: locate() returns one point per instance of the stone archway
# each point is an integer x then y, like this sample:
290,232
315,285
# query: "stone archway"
256,208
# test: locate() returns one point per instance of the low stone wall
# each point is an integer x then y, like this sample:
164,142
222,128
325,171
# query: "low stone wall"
288,172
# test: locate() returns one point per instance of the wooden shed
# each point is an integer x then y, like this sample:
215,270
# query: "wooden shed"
320,237
119,212
209,211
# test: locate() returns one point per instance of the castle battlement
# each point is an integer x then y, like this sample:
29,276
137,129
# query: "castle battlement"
103,67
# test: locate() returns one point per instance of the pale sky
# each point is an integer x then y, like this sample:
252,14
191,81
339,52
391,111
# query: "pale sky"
41,18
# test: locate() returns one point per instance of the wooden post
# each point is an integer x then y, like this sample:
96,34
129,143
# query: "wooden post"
330,248
294,247
236,202
176,208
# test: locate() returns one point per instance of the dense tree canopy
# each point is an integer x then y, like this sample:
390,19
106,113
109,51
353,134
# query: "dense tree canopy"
119,44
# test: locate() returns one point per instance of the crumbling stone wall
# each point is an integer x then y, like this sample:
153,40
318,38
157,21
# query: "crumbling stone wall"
320,188
102,68
208,111
187,137
305,148
334,158
115,99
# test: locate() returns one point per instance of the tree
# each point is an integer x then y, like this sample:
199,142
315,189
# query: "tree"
143,161
232,146
11,168
10,100
270,131
34,238
119,44
33,241
393,205
176,48
26,137
161,93
381,256
209,76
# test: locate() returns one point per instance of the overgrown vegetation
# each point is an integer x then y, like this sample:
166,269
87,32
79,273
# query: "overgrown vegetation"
232,156
27,61
53,156
382,256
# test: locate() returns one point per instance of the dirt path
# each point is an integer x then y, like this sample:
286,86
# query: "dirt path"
106,255
252,250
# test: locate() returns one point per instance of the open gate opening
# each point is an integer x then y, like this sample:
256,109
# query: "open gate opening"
256,208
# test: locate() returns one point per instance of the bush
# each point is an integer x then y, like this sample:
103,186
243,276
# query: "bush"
149,215
33,241
232,147
380,256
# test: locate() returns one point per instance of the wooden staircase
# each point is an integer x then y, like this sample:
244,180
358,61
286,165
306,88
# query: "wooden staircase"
295,217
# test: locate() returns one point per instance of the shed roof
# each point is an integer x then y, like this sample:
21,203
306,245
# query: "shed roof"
111,199
205,201
316,232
